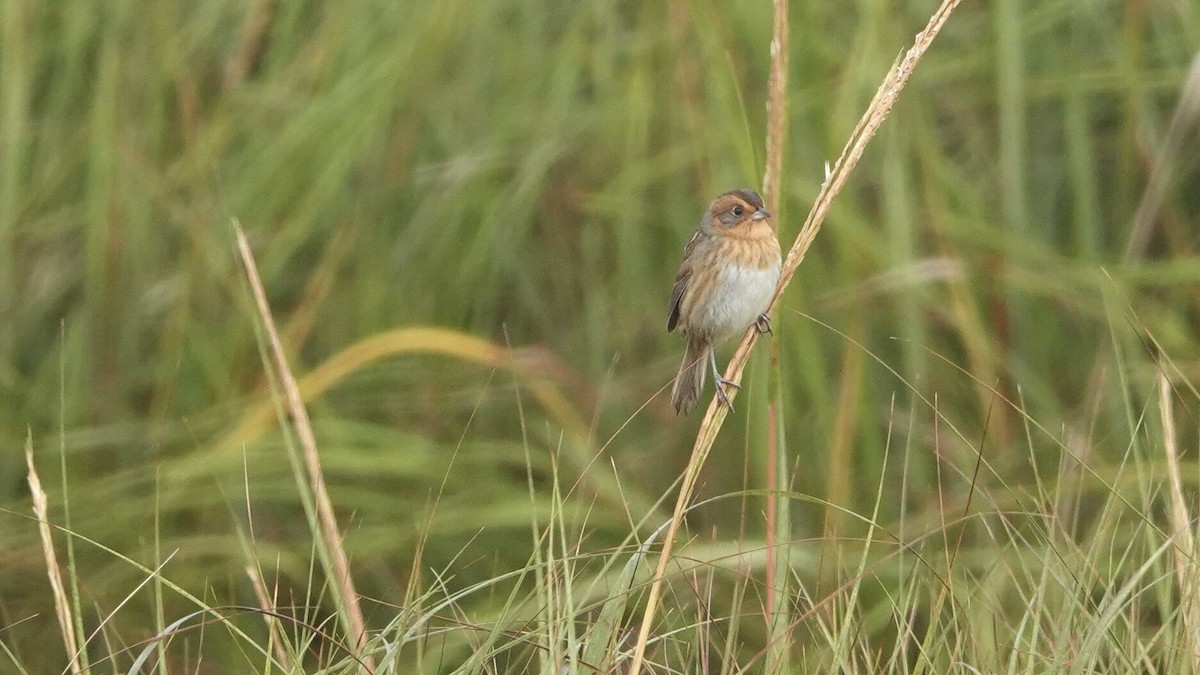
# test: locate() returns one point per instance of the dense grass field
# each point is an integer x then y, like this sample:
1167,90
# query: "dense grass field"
467,218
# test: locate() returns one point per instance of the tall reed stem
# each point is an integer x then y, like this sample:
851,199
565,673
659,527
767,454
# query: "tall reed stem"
878,111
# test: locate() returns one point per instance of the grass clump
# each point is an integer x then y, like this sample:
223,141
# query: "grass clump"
465,219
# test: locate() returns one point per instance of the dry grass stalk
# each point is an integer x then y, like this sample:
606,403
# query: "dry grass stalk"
868,125
1183,120
1181,523
62,608
772,178
776,107
269,615
355,625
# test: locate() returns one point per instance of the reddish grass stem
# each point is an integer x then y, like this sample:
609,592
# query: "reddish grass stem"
772,178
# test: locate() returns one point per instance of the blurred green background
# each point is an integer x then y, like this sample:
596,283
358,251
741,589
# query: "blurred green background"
527,173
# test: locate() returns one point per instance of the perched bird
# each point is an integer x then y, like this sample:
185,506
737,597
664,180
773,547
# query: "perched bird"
729,271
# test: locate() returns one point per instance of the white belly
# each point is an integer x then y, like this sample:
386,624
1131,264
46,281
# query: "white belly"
740,295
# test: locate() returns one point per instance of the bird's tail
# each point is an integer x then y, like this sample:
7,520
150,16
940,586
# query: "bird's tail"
689,383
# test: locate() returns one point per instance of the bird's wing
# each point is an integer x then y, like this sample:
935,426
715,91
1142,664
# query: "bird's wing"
681,280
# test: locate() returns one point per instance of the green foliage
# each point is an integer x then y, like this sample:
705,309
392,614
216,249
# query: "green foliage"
968,353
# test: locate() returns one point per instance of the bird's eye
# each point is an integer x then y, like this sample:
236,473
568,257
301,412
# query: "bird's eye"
738,210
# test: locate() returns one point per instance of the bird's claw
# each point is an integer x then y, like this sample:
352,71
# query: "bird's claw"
763,325
722,394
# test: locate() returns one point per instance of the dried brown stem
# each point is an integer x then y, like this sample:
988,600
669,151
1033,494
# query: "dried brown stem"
772,179
62,607
1181,522
270,615
776,108
342,581
868,125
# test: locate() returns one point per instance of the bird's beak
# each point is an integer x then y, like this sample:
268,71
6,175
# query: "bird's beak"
761,214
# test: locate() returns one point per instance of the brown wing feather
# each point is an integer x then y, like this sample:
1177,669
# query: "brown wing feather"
677,297
681,280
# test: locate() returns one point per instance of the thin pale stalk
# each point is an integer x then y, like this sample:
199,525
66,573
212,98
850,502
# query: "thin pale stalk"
62,606
878,111
1181,527
270,615
778,525
779,532
1187,111
351,611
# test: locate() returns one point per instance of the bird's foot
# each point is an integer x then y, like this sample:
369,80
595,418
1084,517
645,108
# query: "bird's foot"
722,391
763,325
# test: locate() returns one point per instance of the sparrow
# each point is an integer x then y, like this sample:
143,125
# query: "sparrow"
729,271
